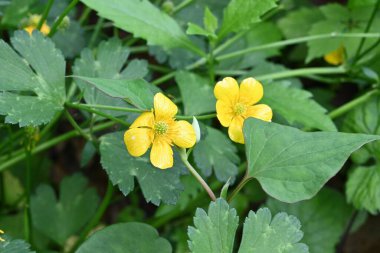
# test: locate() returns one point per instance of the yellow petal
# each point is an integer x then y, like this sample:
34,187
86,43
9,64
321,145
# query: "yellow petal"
161,155
224,112
227,90
164,107
251,91
45,29
30,29
260,111
183,134
146,119
335,57
138,140
235,131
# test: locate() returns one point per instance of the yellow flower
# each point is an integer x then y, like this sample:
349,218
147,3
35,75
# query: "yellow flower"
335,57
234,104
1,239
33,23
160,130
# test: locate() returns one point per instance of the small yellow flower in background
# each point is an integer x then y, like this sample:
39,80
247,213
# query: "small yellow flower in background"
335,57
1,239
234,104
33,23
160,130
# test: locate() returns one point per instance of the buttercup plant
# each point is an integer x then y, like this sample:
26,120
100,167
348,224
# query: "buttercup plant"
189,126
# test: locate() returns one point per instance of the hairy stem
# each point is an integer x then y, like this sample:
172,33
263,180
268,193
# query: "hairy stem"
45,14
62,16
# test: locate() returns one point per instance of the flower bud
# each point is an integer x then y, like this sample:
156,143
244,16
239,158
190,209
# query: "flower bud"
197,130
168,7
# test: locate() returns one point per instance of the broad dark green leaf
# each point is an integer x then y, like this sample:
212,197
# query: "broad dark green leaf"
144,20
39,68
130,237
70,40
324,218
60,218
297,106
136,91
292,165
14,246
241,14
363,188
214,230
157,185
262,234
196,92
216,153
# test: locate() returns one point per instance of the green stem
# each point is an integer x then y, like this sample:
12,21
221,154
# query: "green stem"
138,49
238,188
97,217
126,109
352,104
45,14
200,117
205,186
96,32
368,50
182,5
28,182
295,41
48,144
85,15
77,127
159,68
368,27
105,115
301,72
62,16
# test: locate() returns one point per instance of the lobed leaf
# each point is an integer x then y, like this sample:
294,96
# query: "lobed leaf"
39,68
214,231
292,165
126,238
324,218
363,188
157,185
196,92
216,153
14,246
60,218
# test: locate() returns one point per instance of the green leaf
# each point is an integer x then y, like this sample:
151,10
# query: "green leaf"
297,106
214,231
216,152
292,165
157,185
126,238
39,68
365,119
60,218
193,29
196,92
241,14
210,21
144,20
16,11
14,246
281,234
298,23
107,62
70,40
330,215
136,91
363,188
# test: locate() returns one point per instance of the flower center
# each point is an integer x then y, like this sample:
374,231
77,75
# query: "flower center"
161,127
240,109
